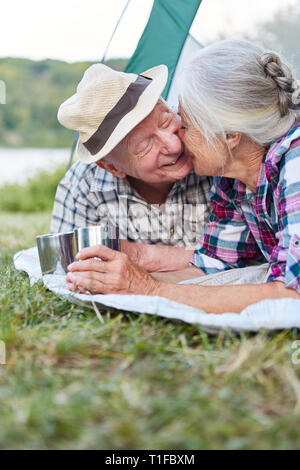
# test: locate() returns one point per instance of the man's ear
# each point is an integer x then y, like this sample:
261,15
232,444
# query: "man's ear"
111,168
233,139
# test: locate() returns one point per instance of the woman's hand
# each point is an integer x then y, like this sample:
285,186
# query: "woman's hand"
114,273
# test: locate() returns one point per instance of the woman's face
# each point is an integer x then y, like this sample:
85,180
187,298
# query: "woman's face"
210,160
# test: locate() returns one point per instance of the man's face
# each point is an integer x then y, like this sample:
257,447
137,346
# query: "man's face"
153,150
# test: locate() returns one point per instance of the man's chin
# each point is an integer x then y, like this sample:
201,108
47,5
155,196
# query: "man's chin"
181,168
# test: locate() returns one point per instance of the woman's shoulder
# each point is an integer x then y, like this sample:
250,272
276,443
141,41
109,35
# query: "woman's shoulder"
291,152
283,152
289,142
284,164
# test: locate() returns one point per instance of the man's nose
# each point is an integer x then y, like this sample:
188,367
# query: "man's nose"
171,143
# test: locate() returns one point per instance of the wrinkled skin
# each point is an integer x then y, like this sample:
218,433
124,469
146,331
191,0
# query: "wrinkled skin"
114,273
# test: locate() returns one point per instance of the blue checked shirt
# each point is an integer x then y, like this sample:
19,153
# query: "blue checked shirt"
89,195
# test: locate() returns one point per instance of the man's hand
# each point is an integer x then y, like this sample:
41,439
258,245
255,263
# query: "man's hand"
111,272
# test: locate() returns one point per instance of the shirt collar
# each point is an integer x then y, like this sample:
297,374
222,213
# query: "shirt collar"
240,191
270,168
278,149
103,181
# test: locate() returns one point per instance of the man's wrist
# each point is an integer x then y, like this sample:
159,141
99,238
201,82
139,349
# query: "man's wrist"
146,257
131,249
141,254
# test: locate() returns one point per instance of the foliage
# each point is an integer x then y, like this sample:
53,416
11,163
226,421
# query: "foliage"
136,382
34,91
282,34
36,195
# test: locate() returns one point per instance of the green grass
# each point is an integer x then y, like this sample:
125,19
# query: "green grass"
136,382
36,195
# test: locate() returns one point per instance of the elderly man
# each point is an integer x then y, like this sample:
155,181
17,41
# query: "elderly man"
133,171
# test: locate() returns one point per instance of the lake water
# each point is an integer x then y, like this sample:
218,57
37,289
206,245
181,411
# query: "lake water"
17,165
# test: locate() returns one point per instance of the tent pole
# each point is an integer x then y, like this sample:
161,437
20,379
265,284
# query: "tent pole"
114,31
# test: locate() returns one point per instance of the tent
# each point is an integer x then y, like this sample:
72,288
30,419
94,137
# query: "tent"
166,40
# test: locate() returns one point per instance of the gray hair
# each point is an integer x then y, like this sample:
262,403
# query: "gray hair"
235,86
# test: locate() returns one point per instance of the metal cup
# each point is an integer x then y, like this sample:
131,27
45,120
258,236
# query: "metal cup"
96,235
56,252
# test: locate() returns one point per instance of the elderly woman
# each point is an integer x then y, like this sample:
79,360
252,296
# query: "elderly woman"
241,124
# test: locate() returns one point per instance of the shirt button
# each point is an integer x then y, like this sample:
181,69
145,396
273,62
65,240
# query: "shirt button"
297,243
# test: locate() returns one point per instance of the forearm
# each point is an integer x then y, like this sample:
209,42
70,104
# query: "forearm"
178,276
160,258
225,298
157,258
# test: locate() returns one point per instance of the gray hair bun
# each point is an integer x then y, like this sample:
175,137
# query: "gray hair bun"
282,76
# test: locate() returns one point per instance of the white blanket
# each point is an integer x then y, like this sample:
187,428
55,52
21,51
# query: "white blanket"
267,314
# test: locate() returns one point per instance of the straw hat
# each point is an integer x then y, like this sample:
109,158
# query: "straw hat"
108,105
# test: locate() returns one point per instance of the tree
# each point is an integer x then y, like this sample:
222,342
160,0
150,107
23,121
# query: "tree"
283,35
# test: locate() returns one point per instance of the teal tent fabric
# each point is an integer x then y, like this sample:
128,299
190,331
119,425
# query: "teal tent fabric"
164,36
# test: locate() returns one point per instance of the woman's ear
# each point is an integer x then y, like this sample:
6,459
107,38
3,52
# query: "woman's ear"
233,139
111,168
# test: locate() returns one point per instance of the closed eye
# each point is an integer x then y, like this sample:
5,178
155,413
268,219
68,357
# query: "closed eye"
165,120
144,147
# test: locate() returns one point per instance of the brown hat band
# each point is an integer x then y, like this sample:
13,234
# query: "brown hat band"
125,104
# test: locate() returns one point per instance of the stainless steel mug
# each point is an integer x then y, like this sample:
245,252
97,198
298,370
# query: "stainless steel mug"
96,235
56,252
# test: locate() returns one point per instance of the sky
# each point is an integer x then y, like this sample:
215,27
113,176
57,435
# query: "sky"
75,30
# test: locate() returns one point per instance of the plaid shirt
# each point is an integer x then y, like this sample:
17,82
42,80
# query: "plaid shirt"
88,195
243,225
